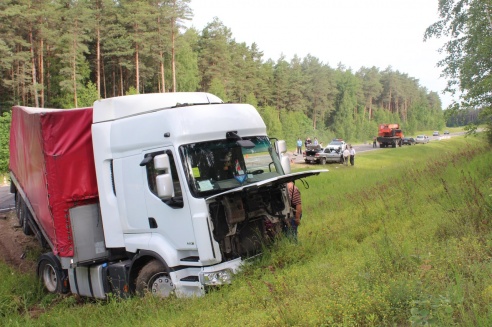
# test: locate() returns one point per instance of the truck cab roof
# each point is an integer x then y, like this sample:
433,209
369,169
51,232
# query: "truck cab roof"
120,107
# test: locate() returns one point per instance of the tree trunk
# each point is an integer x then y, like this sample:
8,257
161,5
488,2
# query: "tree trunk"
103,75
41,71
98,61
74,81
33,61
163,82
121,81
370,108
74,70
173,61
137,75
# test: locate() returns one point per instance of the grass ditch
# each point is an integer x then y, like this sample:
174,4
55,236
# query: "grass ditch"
402,238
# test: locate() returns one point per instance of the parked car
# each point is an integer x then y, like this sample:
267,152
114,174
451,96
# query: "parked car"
435,133
422,139
446,132
316,154
408,141
329,155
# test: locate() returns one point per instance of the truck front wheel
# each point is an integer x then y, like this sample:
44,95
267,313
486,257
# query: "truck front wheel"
154,278
51,273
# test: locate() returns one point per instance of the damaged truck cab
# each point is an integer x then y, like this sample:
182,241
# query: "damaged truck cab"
167,193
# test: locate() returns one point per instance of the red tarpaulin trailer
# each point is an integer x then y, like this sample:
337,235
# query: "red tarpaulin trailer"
51,157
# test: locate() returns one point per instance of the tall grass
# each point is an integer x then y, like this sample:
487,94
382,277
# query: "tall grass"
402,238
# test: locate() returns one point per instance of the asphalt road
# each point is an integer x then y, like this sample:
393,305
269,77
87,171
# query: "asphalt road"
360,148
7,202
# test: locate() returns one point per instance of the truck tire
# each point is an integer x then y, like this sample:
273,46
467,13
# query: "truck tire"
18,207
25,215
155,279
51,273
323,161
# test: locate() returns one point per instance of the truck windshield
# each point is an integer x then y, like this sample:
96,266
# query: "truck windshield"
216,166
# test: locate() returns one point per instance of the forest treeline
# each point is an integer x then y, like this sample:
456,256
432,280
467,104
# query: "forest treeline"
69,53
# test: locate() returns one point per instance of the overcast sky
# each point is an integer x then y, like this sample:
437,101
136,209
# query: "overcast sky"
355,33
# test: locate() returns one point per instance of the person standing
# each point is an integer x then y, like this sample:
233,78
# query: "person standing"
296,205
352,155
299,145
346,154
374,144
315,142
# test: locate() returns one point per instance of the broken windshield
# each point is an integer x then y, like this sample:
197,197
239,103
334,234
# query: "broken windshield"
216,166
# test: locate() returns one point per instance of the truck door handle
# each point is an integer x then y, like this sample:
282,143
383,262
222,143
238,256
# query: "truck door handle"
152,222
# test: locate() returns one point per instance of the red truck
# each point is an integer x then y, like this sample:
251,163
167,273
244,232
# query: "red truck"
389,135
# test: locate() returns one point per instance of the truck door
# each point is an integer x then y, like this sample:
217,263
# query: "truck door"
170,218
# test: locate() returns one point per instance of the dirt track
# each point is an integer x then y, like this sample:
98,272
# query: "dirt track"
16,249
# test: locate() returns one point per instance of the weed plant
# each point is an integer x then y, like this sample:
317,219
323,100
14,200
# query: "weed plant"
403,238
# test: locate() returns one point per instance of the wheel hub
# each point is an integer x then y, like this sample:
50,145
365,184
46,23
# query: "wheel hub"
162,286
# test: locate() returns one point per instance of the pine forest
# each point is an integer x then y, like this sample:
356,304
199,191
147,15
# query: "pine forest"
69,53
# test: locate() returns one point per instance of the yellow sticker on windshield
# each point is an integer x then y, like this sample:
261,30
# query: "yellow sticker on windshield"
196,172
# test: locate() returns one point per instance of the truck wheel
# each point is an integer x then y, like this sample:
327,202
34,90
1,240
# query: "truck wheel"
18,207
323,161
154,278
51,273
26,228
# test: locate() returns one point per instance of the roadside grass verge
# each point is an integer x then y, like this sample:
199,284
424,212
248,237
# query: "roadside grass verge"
402,238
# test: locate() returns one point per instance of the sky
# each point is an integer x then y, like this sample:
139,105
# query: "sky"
355,33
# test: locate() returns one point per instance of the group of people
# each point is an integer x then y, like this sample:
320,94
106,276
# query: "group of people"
349,155
306,143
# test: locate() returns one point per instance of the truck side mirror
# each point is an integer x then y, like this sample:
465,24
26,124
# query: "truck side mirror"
285,162
281,146
164,181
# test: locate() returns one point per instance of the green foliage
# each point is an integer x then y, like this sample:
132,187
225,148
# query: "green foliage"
217,88
128,47
5,120
88,95
272,122
18,293
466,26
131,91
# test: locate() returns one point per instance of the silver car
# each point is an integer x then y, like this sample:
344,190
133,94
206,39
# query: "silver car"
421,139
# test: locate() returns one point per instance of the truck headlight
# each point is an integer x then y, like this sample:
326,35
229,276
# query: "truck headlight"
220,277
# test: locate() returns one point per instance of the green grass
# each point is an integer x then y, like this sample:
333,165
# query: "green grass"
402,238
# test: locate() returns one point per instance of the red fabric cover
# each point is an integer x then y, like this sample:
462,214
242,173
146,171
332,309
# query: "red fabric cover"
51,156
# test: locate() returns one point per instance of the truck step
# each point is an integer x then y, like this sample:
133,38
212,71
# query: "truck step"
189,279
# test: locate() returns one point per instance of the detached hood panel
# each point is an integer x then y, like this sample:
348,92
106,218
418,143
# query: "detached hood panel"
270,182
